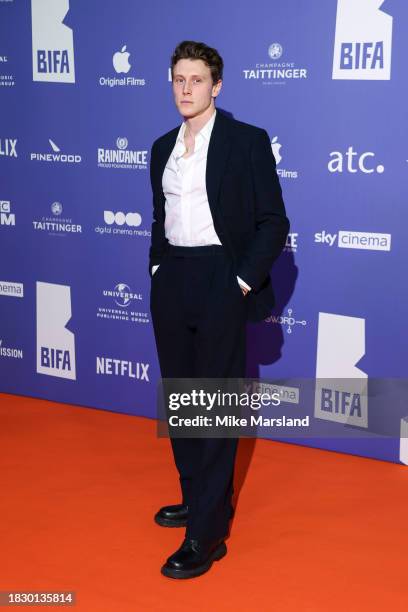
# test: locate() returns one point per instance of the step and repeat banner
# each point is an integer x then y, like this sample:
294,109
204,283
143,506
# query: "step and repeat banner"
85,89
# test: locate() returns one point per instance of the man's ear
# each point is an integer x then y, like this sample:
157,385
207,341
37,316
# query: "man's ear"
216,88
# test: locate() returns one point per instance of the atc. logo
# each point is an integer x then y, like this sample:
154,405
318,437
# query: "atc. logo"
363,41
53,42
352,161
55,343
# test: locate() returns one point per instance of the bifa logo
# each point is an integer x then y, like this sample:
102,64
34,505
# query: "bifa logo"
363,41
341,387
53,43
6,216
55,343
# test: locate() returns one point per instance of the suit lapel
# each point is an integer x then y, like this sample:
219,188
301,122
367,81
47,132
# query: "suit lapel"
218,151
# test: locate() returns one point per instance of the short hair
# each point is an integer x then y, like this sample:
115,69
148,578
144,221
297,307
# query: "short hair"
190,49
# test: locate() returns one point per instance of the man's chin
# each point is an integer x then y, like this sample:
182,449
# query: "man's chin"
187,110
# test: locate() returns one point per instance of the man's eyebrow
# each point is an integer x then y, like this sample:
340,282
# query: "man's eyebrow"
193,75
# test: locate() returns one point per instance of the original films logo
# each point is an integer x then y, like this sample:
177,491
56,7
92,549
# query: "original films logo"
122,157
122,224
6,78
57,225
122,66
122,304
277,71
282,172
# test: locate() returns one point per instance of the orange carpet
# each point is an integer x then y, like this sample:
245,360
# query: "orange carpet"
313,530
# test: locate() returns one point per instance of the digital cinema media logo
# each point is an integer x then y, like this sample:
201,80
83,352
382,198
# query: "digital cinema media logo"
55,343
341,387
118,223
53,42
363,41
7,217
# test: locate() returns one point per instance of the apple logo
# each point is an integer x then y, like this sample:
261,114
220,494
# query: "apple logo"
275,149
121,60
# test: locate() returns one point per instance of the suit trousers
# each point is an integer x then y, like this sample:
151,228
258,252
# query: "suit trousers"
199,319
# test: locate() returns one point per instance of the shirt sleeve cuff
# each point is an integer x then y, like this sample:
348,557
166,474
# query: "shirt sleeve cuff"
154,268
243,283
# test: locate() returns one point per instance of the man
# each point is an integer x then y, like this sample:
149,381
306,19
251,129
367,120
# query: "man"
218,224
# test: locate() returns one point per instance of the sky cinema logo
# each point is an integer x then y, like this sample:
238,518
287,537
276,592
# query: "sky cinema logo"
53,42
363,41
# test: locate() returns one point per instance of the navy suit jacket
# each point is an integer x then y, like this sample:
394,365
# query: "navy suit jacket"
245,200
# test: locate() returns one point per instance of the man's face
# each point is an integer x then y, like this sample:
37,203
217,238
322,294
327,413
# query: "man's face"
193,87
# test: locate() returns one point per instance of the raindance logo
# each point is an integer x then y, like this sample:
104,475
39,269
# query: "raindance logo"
57,227
56,156
121,65
121,157
276,72
126,301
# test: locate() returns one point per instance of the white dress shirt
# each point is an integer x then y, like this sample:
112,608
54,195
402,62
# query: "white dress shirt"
188,219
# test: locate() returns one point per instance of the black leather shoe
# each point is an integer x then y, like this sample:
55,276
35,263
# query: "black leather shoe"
193,559
172,516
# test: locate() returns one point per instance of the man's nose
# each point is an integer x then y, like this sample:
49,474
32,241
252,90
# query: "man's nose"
187,88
